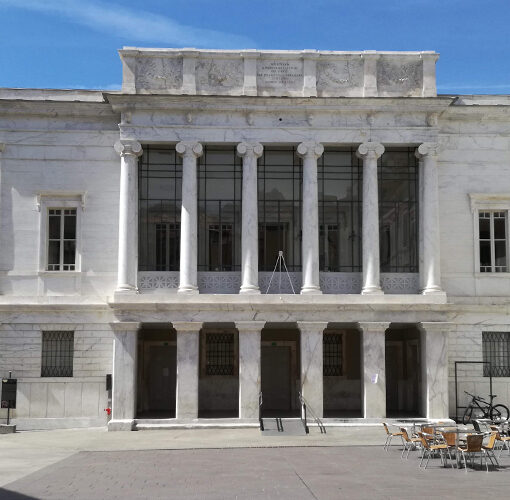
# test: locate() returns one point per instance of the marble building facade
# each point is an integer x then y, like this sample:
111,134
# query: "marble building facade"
139,232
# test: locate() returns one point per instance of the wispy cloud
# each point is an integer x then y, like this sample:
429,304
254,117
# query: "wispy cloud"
132,25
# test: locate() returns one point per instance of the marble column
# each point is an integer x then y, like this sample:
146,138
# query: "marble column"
125,349
189,151
249,368
249,224
369,152
129,152
312,334
188,336
310,152
373,369
430,271
434,362
2,147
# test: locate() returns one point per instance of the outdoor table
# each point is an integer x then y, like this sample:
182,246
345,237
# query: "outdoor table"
458,430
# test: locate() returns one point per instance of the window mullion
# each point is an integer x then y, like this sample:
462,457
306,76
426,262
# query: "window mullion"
61,257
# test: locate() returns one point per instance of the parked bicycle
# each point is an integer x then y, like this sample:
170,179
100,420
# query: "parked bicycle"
480,408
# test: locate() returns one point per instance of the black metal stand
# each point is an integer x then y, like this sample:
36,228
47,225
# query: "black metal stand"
456,383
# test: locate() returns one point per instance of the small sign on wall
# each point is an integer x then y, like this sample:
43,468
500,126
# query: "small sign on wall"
375,378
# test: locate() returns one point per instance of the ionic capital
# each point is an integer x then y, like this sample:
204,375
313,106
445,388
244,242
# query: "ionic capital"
312,326
428,149
128,148
187,326
374,327
245,149
189,149
125,326
310,149
370,150
250,326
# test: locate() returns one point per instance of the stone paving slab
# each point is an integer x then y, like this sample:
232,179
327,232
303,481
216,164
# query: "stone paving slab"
256,473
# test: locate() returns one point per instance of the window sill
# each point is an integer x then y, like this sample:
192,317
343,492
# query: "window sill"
491,275
59,273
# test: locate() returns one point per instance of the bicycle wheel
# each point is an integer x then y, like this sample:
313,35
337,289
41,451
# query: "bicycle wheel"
500,413
466,418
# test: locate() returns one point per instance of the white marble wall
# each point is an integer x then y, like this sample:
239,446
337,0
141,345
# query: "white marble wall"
249,368
311,364
187,369
434,354
125,351
373,369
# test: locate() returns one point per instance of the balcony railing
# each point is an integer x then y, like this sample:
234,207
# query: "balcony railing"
230,282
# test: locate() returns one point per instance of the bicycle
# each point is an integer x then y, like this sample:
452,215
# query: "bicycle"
496,413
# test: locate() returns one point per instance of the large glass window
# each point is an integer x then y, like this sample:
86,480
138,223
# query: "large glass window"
219,209
61,239
340,189
398,210
492,228
279,198
159,185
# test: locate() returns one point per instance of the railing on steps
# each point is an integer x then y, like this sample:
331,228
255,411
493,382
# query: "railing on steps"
305,410
261,422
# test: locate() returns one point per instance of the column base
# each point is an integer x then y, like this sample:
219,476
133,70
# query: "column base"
433,291
372,290
189,289
311,290
126,289
121,425
250,289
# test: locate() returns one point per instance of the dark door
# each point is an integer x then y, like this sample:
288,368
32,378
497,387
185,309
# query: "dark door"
276,378
162,377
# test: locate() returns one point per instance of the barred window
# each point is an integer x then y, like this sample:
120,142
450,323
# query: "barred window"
219,353
61,239
496,351
332,354
57,354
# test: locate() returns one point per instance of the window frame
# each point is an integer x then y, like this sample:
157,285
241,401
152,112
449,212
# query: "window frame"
203,351
489,202
342,336
59,201
72,357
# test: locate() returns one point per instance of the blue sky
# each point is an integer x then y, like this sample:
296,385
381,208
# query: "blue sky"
73,43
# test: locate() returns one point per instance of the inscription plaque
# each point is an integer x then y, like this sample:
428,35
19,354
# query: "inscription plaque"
278,73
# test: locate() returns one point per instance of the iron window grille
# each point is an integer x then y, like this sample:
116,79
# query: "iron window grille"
332,348
339,175
61,239
159,214
496,352
219,210
219,353
279,178
398,210
57,354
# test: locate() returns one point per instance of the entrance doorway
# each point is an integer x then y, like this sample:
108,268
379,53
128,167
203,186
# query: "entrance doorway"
157,373
341,352
280,372
403,372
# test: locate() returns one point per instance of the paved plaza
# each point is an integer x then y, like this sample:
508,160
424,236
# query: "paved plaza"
227,464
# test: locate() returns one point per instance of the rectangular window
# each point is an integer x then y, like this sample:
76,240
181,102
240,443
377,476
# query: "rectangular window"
61,239
57,354
492,232
496,351
332,345
219,353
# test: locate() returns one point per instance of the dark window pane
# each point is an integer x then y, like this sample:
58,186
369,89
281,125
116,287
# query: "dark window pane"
500,253
69,252
54,226
484,228
54,252
70,227
499,228
485,253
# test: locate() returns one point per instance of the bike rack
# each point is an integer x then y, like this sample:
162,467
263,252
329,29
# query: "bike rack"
456,383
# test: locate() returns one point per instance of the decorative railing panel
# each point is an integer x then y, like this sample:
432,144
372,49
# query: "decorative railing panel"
400,283
230,282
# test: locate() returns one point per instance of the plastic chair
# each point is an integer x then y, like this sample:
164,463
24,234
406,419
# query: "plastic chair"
409,442
390,436
428,449
489,451
473,446
505,440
